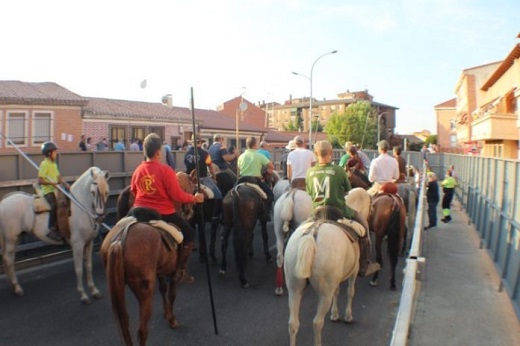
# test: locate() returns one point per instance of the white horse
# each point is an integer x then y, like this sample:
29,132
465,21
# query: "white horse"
280,187
322,255
17,216
291,209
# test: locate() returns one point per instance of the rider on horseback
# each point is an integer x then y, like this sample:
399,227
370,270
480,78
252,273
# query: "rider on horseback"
401,163
298,162
250,165
384,171
155,186
203,165
327,184
49,177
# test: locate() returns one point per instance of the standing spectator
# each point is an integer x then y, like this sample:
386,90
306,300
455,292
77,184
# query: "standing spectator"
448,185
401,163
120,146
424,152
383,169
82,143
264,149
140,144
100,146
220,155
432,197
453,173
283,162
89,143
134,146
298,162
344,159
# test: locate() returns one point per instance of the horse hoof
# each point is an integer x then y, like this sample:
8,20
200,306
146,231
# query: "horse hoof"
245,285
221,272
19,291
97,295
278,291
349,320
373,283
174,324
86,301
393,288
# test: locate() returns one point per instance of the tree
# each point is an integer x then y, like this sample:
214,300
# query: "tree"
317,126
291,126
356,124
431,139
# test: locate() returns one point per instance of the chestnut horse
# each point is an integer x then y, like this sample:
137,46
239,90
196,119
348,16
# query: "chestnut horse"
388,217
141,256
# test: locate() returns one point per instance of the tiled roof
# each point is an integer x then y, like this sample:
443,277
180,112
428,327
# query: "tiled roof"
109,108
215,120
45,93
506,65
447,104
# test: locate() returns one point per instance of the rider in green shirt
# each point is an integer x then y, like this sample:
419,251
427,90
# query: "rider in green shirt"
344,159
49,177
328,184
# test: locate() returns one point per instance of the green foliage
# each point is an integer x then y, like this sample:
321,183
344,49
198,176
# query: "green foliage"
291,126
432,139
356,124
316,123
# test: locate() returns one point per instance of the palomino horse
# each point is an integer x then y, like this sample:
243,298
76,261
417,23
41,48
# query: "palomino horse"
90,191
140,257
357,181
388,217
243,206
290,210
320,254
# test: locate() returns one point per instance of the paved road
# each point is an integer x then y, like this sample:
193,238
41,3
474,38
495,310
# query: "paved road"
50,313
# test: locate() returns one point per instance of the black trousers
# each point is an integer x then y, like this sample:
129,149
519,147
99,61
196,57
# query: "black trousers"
187,231
432,212
51,199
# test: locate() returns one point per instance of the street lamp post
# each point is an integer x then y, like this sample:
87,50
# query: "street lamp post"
378,125
310,100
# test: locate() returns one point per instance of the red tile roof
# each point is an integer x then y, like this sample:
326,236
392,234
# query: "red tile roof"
45,93
452,103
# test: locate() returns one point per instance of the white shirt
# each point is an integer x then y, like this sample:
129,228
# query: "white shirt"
300,160
383,169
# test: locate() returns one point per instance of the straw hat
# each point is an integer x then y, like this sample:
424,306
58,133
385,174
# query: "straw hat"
291,145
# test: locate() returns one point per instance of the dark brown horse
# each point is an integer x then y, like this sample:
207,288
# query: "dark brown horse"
140,257
388,217
243,207
356,180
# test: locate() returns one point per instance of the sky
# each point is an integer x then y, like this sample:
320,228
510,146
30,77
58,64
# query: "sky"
407,53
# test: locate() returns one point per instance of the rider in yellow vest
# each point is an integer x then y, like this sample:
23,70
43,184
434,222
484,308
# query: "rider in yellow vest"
49,177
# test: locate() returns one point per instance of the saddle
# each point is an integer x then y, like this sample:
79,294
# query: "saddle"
208,193
398,200
298,183
330,214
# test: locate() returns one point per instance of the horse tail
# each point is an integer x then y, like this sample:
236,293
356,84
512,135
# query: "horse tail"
305,256
116,286
393,231
287,212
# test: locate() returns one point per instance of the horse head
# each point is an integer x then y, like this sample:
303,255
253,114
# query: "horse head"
99,189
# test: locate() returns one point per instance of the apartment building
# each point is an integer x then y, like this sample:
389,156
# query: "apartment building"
483,119
297,109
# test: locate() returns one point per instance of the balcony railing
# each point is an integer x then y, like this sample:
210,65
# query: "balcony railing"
495,126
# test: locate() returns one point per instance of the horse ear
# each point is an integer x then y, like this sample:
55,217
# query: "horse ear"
106,174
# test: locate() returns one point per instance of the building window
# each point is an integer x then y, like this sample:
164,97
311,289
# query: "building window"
453,124
17,128
41,127
453,141
117,133
138,132
159,130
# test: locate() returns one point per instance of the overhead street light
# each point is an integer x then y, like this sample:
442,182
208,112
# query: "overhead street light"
310,100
